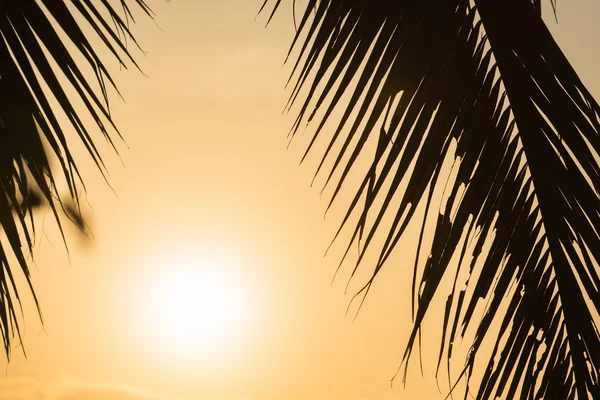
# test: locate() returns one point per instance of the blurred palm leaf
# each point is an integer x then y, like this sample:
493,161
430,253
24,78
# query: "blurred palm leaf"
46,52
484,83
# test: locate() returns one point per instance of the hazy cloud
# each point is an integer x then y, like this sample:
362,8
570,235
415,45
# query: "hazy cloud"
68,388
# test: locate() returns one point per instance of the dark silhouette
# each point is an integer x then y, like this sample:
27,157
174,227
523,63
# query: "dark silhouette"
37,63
485,83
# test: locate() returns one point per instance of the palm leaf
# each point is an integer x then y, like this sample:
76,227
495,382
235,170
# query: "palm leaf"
484,83
45,53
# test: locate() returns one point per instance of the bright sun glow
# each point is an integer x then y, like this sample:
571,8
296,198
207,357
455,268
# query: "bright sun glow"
195,306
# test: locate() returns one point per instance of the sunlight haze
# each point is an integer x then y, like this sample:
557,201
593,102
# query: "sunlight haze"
206,277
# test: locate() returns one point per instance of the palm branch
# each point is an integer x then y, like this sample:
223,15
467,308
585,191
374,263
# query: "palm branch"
484,84
48,50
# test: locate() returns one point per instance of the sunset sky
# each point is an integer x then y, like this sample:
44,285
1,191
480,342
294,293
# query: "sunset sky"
210,206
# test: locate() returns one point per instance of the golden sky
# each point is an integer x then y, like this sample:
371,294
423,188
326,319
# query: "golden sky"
209,192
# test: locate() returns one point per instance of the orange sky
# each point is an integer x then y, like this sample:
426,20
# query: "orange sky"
207,174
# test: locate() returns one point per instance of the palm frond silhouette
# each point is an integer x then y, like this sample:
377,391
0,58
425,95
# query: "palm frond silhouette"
482,82
46,52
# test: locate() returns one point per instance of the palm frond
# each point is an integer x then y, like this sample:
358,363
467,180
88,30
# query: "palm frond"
41,45
482,82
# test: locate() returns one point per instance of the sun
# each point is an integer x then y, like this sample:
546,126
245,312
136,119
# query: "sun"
195,305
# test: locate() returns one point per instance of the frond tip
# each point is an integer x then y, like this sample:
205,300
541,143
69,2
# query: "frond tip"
41,40
484,83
